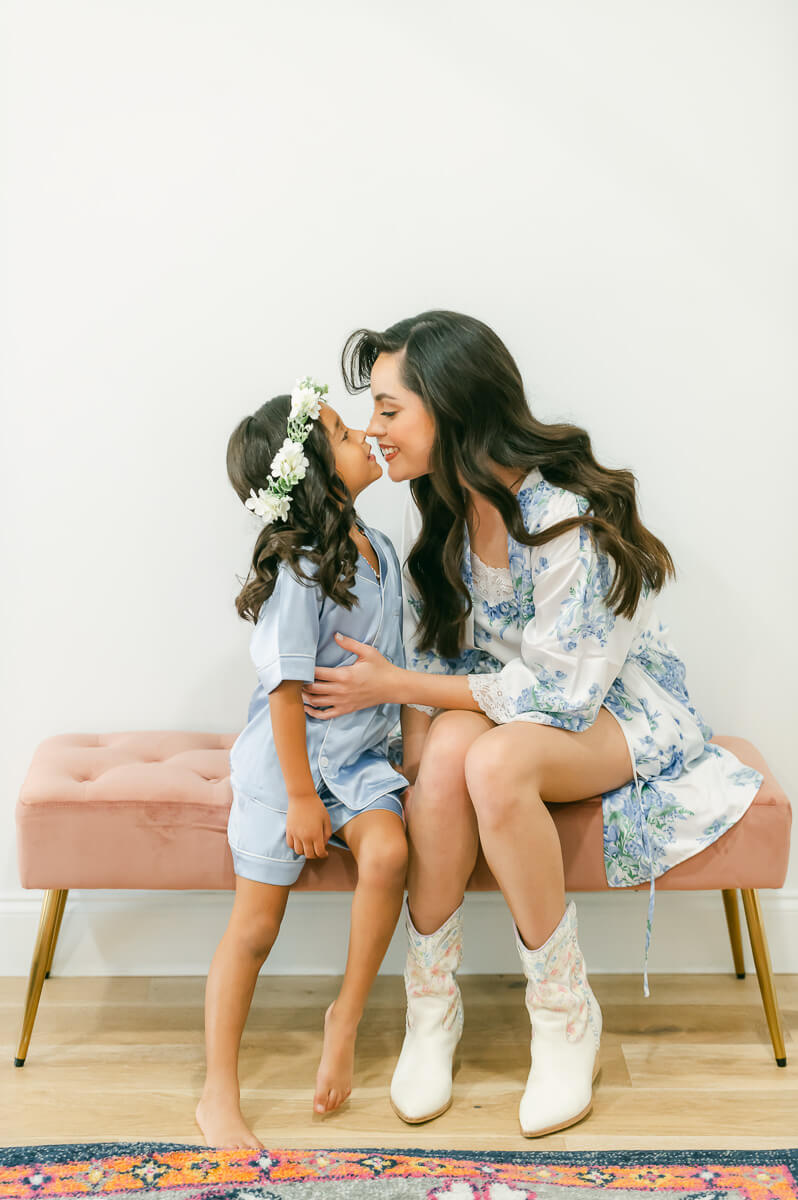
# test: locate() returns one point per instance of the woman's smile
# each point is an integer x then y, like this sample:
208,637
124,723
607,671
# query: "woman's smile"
400,412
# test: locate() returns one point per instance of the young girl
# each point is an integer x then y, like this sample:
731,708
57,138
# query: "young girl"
529,589
298,783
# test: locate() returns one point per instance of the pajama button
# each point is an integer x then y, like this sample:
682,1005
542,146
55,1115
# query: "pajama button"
324,760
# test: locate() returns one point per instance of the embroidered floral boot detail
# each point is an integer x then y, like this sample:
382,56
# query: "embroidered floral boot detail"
421,1087
566,1031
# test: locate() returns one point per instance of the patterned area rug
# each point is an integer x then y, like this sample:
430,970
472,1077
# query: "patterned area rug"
163,1171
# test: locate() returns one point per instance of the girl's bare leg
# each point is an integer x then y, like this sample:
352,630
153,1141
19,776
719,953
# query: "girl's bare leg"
377,840
441,823
251,932
510,771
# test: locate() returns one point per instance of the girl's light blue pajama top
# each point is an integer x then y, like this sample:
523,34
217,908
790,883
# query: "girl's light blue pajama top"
348,754
549,650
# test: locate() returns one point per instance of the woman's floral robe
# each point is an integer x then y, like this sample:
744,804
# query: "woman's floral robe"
575,656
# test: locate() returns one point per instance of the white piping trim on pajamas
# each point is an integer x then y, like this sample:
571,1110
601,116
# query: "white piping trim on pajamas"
280,657
262,857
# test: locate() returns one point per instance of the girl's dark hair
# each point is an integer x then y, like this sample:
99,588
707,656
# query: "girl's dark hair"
471,386
320,517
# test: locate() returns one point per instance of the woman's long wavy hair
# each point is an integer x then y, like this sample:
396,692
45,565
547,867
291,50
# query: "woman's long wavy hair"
320,517
472,388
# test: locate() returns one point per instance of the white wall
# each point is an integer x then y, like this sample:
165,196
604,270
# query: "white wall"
205,198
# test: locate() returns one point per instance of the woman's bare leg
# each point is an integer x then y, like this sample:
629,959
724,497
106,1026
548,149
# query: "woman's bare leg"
251,932
441,823
510,771
377,840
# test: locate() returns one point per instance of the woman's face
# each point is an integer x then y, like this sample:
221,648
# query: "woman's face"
400,422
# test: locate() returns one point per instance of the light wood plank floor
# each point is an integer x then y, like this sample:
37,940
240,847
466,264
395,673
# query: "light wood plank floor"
122,1059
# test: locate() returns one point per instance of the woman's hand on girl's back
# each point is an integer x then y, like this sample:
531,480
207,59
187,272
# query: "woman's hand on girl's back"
370,681
307,826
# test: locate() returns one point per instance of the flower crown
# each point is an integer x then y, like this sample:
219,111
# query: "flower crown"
289,463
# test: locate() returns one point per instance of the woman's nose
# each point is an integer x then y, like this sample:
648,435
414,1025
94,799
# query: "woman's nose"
374,427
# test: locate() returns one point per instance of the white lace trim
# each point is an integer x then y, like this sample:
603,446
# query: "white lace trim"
494,584
425,708
490,696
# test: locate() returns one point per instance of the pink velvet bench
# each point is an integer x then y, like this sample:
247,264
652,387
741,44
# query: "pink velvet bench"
149,810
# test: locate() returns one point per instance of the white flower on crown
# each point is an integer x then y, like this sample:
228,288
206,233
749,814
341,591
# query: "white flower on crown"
306,399
268,506
289,463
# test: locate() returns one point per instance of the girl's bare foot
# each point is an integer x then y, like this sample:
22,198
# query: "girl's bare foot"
334,1077
219,1117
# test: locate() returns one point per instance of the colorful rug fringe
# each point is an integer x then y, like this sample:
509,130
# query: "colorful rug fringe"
164,1171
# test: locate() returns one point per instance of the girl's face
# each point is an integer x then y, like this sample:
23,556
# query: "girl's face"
354,461
400,422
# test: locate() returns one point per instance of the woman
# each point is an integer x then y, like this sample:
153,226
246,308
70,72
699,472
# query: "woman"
537,674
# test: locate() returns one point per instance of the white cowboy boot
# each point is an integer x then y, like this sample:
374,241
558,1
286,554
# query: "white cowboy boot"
421,1087
566,1031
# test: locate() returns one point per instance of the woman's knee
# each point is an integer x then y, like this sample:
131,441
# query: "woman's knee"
441,774
495,782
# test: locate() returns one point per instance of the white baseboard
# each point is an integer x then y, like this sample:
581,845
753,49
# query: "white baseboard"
176,933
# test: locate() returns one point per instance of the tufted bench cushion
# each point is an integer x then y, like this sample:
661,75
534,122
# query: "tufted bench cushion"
149,810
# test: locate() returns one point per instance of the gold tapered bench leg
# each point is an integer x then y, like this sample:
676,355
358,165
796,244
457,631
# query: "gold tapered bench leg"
735,934
62,899
49,924
764,973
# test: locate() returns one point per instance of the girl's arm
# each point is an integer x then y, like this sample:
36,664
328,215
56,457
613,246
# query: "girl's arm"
308,822
283,647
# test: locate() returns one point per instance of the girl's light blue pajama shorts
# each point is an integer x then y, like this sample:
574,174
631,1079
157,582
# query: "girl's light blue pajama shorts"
256,834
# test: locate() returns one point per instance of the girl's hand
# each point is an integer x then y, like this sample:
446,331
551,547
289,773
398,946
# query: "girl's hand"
307,826
370,681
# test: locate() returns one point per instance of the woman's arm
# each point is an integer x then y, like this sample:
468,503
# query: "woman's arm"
436,691
308,823
572,649
372,680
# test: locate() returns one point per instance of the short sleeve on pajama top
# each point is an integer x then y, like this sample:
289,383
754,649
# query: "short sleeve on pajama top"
283,644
